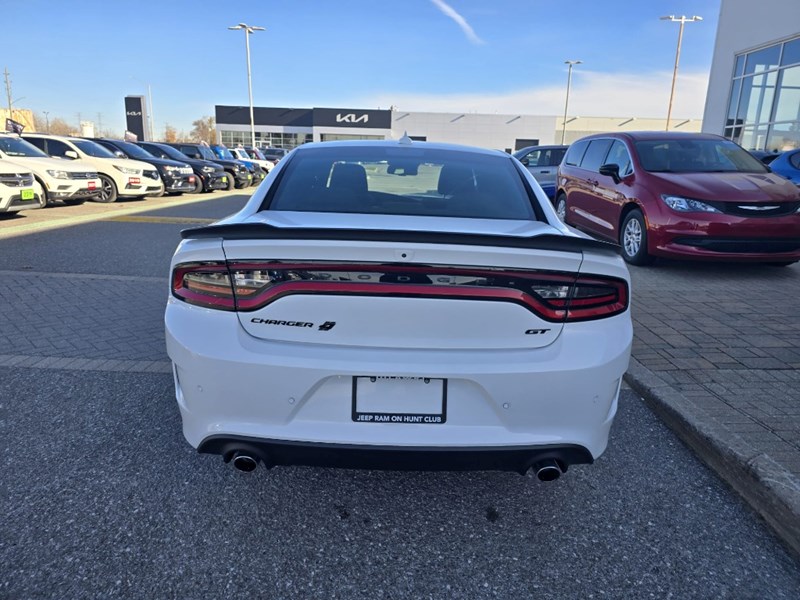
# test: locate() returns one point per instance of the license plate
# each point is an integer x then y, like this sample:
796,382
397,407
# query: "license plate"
224,179
92,185
249,176
404,400
26,194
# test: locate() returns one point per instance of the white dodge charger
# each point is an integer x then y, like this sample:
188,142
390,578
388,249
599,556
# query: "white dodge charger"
398,305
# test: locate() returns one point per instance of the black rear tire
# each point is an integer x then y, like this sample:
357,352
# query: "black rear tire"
199,188
633,239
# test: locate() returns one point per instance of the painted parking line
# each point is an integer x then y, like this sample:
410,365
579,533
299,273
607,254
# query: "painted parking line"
168,220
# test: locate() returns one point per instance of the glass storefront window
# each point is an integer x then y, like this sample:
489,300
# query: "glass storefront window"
739,70
757,94
753,138
787,107
791,53
764,102
784,136
763,60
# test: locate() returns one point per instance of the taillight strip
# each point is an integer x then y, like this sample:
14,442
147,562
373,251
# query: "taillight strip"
605,296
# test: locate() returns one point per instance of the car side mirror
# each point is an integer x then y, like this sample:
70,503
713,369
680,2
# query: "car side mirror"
71,154
119,154
611,170
524,161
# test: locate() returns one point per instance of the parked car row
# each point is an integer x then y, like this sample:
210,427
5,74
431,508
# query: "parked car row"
38,169
680,195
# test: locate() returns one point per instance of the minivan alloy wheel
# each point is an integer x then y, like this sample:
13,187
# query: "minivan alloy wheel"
632,237
561,208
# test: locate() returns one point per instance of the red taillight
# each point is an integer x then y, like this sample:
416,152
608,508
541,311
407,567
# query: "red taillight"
248,286
204,284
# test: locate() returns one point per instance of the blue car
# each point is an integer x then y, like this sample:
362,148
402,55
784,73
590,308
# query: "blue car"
257,173
788,165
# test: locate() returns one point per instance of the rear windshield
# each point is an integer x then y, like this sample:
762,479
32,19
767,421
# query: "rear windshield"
14,146
696,156
403,181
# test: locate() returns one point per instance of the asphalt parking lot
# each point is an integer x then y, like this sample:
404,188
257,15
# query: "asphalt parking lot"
101,496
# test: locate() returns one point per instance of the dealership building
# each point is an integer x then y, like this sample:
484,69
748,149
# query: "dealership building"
290,127
754,86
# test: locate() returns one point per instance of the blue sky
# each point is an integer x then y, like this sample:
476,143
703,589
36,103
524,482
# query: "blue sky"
506,56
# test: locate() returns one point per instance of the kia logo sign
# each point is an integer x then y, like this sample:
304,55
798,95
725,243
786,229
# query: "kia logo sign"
351,118
134,113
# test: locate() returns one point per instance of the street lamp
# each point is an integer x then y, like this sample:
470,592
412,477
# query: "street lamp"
566,102
248,29
682,19
47,119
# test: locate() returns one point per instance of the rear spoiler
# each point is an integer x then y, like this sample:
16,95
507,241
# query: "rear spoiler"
264,231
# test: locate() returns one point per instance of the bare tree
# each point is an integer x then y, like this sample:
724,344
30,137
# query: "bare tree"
170,134
59,126
203,130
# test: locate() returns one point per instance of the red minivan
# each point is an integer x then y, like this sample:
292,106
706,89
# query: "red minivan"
679,195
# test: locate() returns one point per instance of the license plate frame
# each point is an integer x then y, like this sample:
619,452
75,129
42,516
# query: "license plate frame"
381,396
27,195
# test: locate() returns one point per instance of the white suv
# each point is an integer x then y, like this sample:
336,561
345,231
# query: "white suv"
120,177
70,183
18,189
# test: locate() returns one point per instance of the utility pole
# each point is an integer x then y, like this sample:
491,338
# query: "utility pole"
47,119
8,92
99,132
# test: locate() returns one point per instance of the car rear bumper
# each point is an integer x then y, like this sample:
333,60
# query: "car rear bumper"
394,458
229,384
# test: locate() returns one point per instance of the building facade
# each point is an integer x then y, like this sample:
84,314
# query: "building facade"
754,85
290,127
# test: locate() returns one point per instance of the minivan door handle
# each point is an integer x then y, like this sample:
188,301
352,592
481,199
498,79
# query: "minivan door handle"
594,182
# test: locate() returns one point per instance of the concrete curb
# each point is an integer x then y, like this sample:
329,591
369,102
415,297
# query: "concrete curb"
770,489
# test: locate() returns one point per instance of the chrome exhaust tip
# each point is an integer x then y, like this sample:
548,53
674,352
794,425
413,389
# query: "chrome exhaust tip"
244,462
547,470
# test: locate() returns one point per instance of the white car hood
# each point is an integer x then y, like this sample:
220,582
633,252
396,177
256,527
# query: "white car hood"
53,164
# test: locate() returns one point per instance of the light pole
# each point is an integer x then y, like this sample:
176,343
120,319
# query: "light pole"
47,119
571,63
682,19
248,29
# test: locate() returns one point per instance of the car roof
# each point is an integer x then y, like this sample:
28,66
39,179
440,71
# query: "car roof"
637,136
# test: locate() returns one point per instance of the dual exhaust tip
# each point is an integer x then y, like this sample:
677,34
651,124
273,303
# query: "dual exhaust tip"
546,470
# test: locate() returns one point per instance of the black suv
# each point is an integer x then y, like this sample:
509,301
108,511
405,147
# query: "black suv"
209,175
240,174
178,177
